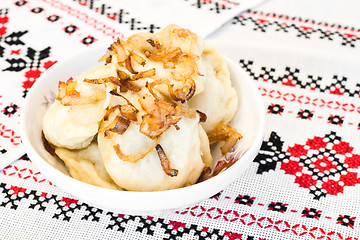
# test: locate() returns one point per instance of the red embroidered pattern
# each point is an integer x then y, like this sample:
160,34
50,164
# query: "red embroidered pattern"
264,222
10,135
95,23
325,165
24,173
307,100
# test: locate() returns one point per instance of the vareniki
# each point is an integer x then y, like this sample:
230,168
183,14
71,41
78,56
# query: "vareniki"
145,120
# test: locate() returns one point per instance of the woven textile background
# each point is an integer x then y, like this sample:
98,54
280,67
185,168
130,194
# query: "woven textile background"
304,58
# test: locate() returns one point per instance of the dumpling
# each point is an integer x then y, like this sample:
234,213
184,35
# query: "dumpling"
73,126
86,165
173,53
186,149
146,157
218,100
152,108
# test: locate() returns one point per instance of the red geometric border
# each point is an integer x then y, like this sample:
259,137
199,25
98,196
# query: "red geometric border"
307,100
96,24
249,219
9,134
24,173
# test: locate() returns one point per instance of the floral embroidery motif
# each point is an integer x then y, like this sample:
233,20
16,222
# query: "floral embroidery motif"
322,165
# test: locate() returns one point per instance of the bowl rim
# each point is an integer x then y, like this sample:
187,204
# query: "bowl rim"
48,170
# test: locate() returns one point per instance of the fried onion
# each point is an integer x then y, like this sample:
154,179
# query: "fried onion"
183,94
165,163
68,96
160,115
202,115
224,133
118,49
136,157
128,65
144,74
138,59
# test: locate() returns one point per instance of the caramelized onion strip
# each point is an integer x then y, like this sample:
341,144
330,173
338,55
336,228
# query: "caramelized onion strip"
119,50
138,59
129,67
110,111
121,126
76,99
106,57
165,163
183,109
128,111
224,133
144,74
110,125
136,157
185,93
101,80
67,89
202,116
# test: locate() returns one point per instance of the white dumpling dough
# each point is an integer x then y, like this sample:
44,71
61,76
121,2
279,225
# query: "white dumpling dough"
218,100
74,127
182,147
86,165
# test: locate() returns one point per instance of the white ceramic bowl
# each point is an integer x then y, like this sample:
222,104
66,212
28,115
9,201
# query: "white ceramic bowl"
249,121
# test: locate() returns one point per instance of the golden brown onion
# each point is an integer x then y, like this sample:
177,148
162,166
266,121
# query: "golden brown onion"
129,67
165,163
136,157
224,133
144,74
138,59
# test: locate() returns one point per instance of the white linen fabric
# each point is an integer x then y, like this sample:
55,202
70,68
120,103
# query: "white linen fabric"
303,56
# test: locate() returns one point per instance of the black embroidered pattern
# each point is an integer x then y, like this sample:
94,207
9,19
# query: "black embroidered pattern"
213,5
291,25
311,213
346,221
118,221
121,15
291,78
336,119
70,29
37,10
53,18
277,207
216,196
13,195
275,109
305,114
20,3
270,154
88,40
244,200
32,59
91,213
10,110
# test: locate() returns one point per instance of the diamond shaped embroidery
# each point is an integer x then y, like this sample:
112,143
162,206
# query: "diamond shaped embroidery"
324,165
